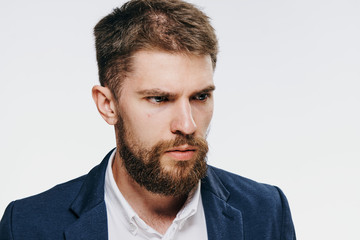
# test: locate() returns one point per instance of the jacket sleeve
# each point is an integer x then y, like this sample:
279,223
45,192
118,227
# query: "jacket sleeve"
5,224
287,226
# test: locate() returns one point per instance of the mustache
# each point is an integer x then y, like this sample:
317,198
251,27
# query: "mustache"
198,142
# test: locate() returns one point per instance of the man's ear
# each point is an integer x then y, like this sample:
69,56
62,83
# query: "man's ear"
105,103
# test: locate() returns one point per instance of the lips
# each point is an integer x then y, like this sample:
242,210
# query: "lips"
182,153
182,148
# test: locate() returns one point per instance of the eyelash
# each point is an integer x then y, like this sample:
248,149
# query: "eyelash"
202,97
205,96
157,99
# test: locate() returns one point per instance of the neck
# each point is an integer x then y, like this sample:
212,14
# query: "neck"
158,211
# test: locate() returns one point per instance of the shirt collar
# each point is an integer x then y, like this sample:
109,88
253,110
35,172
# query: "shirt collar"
190,206
116,200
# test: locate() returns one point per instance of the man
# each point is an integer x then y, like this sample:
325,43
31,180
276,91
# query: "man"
156,60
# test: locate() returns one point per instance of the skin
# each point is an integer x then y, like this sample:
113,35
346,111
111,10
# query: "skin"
165,95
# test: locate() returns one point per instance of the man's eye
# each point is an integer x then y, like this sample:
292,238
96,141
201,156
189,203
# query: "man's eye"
157,99
202,97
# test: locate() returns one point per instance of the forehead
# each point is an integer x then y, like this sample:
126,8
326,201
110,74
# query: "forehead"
169,71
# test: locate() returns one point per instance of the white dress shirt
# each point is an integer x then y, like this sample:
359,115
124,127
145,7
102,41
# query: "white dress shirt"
124,222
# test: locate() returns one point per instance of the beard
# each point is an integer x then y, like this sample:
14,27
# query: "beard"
146,168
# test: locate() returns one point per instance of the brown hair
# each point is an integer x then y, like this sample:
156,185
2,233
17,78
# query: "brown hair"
169,25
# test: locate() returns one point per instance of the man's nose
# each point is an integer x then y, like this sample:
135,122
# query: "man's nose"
182,119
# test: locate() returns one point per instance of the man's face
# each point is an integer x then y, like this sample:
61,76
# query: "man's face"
164,111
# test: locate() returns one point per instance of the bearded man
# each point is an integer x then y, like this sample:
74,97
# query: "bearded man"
156,60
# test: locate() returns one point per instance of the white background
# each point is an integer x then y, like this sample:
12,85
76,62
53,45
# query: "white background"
286,112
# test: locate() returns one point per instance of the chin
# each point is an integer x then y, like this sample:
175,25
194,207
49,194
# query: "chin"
177,168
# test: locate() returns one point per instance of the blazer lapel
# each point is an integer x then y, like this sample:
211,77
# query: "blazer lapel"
222,220
89,207
92,225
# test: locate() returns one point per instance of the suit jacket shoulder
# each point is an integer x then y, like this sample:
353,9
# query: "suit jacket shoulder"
262,210
72,210
43,213
245,191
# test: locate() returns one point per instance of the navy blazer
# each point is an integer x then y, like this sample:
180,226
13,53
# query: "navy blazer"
235,208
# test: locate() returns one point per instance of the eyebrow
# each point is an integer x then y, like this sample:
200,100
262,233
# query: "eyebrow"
159,92
155,92
210,88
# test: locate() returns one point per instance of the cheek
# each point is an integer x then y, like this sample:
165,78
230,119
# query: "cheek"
203,119
148,127
207,119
